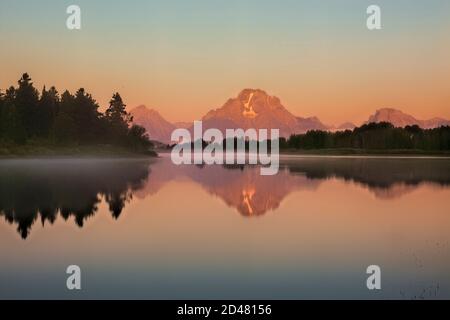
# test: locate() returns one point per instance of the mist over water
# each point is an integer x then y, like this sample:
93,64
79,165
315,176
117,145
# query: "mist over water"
150,229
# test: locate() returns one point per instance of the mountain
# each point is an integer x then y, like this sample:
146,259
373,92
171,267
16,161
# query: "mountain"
344,126
158,128
254,108
399,119
311,123
435,122
183,124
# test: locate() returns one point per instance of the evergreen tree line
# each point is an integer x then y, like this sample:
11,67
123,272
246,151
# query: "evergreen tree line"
373,136
27,116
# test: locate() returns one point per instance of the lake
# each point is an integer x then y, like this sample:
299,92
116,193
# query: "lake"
143,228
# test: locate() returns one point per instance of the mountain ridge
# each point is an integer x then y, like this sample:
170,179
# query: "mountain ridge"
400,119
254,108
157,127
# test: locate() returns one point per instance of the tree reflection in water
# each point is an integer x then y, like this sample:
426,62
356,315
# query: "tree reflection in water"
42,189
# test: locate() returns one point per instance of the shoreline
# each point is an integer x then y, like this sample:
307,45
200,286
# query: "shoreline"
51,152
107,151
404,153
352,152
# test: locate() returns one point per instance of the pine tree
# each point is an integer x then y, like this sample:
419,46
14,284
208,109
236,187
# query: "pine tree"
138,139
13,129
118,119
26,102
47,108
86,117
64,129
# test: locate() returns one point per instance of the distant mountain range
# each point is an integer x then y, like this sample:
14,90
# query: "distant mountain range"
400,119
158,128
254,108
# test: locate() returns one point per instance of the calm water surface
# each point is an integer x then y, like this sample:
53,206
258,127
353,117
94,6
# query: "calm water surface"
149,229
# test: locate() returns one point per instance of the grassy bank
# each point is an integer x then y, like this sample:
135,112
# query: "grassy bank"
29,151
362,152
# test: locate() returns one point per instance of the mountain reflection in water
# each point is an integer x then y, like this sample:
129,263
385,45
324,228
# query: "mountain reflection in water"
32,190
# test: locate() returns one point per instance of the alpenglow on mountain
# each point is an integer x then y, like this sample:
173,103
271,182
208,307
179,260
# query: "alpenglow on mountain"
254,108
400,119
157,127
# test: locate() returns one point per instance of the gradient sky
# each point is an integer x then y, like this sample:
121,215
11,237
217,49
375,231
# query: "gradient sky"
183,58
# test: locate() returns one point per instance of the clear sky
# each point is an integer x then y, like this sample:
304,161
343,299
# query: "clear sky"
183,58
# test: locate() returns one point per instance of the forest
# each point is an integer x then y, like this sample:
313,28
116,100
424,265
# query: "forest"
53,120
373,136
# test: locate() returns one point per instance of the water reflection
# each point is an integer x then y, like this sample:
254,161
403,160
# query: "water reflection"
42,189
243,188
32,190
386,178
